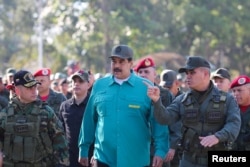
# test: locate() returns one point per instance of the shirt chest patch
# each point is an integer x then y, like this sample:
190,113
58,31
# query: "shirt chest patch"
134,106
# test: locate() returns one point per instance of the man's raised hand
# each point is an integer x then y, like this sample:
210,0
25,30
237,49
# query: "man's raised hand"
153,92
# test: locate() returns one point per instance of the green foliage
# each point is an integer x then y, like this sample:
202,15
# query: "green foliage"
86,31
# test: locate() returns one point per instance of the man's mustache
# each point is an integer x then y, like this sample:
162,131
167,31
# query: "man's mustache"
117,70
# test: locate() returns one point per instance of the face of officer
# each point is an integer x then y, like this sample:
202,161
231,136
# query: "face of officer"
198,78
121,67
242,94
222,83
26,95
43,88
148,73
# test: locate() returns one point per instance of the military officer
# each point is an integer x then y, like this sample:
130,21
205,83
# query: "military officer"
30,133
210,117
240,87
45,93
146,69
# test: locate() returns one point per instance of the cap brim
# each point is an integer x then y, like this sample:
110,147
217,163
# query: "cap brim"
184,69
31,84
78,76
119,56
217,75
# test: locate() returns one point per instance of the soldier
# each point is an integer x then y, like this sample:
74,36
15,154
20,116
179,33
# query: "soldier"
240,87
64,88
221,79
146,69
45,93
169,81
9,75
210,117
30,133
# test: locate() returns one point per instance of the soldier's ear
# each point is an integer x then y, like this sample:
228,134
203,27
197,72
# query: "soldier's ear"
17,90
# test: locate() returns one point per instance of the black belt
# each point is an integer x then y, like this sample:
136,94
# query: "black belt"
199,160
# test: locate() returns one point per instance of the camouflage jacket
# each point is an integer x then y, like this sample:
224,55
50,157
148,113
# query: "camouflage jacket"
32,133
55,100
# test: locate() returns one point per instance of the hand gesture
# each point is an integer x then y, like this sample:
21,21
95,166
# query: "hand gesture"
153,92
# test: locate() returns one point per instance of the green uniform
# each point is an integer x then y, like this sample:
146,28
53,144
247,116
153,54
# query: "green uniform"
31,135
212,112
3,102
55,100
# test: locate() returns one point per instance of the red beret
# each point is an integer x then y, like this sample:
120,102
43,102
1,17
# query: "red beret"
239,81
144,63
42,72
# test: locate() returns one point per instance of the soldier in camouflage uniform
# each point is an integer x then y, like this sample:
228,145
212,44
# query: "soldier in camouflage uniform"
210,117
30,133
45,93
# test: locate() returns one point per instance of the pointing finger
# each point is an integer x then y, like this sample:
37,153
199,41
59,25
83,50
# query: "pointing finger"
147,84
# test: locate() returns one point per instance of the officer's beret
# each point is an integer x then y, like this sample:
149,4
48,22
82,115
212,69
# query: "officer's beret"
144,63
239,81
42,72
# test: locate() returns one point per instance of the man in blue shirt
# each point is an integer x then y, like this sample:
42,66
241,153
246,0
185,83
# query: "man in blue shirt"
119,118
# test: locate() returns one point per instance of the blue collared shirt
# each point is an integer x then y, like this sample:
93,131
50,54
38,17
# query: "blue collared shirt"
119,118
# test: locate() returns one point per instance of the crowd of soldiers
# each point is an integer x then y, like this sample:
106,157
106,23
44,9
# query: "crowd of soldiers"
130,117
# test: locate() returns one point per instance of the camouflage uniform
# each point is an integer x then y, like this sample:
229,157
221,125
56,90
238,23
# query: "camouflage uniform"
31,135
3,102
55,100
5,93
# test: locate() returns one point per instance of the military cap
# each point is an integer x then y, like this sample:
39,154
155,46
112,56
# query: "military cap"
122,51
239,81
83,75
59,75
42,72
24,78
221,73
10,71
194,62
63,81
168,77
144,63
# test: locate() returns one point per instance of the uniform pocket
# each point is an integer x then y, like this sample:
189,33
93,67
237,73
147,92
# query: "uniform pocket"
134,106
104,105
